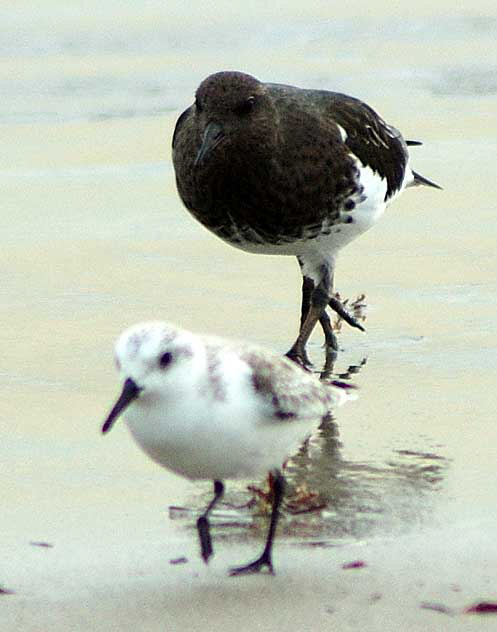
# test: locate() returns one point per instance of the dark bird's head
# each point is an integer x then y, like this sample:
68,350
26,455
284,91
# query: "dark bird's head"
230,107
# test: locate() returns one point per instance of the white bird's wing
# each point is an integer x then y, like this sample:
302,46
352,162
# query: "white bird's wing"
290,391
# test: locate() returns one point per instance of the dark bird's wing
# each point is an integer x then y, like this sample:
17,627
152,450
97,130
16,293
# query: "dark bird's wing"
375,143
180,122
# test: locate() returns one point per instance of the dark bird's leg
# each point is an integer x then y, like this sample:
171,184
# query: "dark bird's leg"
307,290
265,558
330,338
203,523
298,352
314,303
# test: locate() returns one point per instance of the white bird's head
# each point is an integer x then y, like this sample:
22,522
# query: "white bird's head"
153,358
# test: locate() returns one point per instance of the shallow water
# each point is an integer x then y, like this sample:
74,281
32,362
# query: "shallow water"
94,239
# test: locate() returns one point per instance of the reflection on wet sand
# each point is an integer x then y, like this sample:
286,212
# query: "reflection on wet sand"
328,371
329,499
362,499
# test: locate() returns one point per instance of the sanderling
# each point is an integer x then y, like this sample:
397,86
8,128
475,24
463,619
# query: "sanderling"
276,169
209,408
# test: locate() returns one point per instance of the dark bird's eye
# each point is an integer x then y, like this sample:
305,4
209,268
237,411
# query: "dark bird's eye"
165,359
198,105
246,106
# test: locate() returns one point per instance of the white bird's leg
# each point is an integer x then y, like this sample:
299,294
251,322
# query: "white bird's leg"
203,523
265,559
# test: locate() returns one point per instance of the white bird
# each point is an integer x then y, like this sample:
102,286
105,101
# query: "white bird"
209,408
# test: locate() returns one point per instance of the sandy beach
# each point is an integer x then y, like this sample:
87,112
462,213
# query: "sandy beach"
94,238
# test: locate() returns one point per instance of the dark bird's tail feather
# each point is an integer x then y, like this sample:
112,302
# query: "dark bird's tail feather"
421,180
418,178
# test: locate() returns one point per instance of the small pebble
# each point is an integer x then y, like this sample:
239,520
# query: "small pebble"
356,564
179,560
483,607
5,591
437,607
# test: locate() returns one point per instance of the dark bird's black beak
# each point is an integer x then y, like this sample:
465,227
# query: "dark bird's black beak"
129,393
213,135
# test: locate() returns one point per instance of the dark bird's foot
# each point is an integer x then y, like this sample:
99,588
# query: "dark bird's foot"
300,357
337,307
254,567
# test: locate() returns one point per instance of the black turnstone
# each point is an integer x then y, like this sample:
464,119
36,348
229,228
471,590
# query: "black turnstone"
276,169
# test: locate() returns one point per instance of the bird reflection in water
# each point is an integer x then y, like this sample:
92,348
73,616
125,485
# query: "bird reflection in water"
331,499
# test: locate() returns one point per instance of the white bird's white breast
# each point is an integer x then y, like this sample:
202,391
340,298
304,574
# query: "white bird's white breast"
201,437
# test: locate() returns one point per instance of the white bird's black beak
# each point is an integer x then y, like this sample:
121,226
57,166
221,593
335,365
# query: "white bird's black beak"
129,393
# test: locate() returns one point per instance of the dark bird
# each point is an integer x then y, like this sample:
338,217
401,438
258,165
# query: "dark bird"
276,169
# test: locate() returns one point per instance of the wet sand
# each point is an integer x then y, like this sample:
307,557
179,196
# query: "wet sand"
95,239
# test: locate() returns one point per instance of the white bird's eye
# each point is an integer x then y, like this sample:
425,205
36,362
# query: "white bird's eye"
165,359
